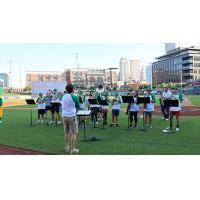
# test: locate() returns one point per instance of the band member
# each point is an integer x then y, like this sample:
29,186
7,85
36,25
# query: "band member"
148,109
41,108
133,108
55,102
94,111
116,103
175,111
48,106
104,109
1,109
166,94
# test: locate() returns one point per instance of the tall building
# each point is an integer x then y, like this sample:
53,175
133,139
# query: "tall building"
178,65
43,76
123,70
5,79
149,73
87,77
169,46
135,70
142,74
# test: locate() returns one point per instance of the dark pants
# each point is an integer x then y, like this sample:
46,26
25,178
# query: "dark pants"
105,112
94,114
133,114
165,111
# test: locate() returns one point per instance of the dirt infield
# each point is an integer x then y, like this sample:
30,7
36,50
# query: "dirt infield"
8,150
185,111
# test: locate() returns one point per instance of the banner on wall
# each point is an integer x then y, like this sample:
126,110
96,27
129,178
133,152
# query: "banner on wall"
44,86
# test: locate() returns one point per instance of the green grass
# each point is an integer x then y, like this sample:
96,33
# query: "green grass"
15,131
195,99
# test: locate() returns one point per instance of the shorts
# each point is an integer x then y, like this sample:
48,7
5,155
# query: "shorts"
55,108
41,111
148,113
115,112
48,108
70,124
175,113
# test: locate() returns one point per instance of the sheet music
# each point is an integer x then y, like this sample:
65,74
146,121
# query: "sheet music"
84,112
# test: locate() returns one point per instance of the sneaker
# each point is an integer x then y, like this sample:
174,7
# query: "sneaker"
162,118
51,122
0,122
177,129
117,125
111,125
74,151
67,149
135,126
167,131
167,128
97,122
166,119
59,122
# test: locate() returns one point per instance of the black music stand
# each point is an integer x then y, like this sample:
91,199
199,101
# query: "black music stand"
171,103
94,102
31,102
83,113
143,100
129,100
79,117
103,103
55,105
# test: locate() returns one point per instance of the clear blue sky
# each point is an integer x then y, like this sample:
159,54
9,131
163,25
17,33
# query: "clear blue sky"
58,57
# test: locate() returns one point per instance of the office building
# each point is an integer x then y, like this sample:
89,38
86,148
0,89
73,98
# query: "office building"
135,71
5,79
178,65
149,73
123,70
87,77
43,76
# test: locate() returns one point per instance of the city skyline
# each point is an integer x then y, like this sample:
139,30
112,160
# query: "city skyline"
58,57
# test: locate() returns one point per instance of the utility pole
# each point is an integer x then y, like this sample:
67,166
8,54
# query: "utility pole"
77,66
20,75
10,72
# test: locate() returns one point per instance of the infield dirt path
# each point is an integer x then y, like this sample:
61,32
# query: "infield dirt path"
8,150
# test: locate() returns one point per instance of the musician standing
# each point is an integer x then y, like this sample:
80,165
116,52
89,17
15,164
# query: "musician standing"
104,109
133,108
149,108
175,111
41,108
70,103
166,94
116,104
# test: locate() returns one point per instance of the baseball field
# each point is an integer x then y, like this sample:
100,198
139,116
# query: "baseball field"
15,131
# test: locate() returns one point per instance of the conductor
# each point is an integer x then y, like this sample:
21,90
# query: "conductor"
70,103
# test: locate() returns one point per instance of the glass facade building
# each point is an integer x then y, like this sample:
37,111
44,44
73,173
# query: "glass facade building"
178,65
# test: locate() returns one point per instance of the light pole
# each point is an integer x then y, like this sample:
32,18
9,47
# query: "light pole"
10,72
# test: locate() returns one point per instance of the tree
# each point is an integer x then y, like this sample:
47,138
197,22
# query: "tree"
170,84
27,88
